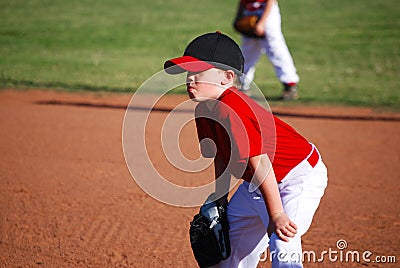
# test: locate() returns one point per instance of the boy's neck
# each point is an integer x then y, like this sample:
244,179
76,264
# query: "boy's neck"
212,102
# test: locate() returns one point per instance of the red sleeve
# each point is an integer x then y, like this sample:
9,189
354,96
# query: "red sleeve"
205,134
246,136
251,129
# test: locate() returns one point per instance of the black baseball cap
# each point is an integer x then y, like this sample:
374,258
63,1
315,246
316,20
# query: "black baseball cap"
211,50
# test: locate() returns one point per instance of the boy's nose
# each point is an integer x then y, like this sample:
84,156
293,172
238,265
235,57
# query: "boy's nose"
189,81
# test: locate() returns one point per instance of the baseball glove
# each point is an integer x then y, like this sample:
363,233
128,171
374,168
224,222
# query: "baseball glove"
247,16
246,25
209,235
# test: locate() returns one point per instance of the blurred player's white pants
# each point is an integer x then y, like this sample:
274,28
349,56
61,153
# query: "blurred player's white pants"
274,45
301,191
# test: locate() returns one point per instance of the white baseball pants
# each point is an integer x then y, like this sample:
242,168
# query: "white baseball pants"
301,191
274,45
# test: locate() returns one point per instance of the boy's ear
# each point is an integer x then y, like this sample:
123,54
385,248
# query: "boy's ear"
229,77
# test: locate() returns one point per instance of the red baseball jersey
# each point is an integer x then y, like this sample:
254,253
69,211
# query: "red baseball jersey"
235,128
252,1
252,4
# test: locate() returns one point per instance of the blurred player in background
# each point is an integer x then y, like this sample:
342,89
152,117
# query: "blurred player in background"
268,39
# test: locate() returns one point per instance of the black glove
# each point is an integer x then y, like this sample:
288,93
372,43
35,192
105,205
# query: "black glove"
209,235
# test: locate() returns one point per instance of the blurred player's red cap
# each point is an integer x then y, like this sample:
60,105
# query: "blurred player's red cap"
211,50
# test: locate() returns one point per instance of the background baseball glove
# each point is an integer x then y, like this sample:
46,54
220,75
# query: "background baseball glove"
209,235
247,16
246,25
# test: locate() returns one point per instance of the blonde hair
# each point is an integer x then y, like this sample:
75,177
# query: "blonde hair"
237,82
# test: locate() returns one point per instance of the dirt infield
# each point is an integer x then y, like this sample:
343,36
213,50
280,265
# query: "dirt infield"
68,200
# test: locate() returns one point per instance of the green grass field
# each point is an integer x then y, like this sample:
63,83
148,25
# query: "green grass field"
346,52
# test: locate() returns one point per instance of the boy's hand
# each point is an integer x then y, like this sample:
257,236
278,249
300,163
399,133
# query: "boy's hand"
260,29
282,226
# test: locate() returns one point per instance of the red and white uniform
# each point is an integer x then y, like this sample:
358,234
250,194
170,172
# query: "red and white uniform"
273,45
239,128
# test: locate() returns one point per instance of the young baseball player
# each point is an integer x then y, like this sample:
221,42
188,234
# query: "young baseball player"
273,44
283,174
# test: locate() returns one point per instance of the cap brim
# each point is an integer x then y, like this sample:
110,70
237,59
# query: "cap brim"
186,63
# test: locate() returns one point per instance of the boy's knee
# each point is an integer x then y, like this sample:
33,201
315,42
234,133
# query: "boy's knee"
285,252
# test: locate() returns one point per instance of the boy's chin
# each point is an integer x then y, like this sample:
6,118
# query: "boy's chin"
199,99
